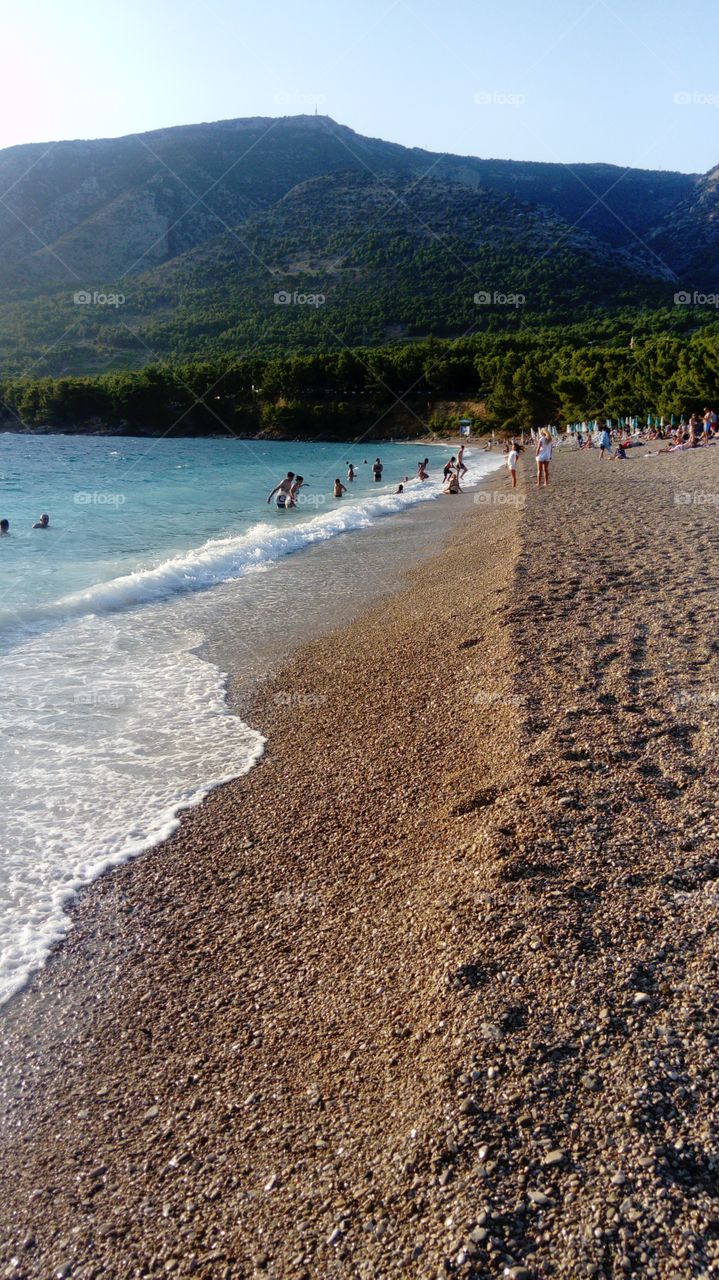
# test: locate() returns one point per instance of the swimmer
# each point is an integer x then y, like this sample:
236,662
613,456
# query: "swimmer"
4,528
461,467
377,469
400,488
283,490
339,488
350,473
422,472
296,486
43,522
449,466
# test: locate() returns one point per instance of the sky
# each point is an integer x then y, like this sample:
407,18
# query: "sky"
628,82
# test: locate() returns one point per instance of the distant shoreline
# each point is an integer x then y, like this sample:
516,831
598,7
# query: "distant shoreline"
291,438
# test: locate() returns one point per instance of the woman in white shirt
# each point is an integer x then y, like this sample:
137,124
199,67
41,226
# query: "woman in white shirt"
544,457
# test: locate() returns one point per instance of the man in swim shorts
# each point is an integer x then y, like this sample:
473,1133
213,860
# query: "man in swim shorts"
283,490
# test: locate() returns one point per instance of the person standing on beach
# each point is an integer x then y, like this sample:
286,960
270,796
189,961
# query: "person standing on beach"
544,457
512,457
377,470
605,443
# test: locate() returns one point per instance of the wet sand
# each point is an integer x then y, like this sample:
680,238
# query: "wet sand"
432,991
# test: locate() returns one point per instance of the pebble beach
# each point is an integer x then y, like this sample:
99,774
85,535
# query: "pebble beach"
431,991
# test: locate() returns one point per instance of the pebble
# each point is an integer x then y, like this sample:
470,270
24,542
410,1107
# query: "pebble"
554,1158
539,1198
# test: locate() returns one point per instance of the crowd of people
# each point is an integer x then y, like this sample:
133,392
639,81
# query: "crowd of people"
286,494
698,430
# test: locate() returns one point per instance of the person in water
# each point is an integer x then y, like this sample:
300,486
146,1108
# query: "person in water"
449,466
350,473
43,522
377,470
283,491
422,471
461,465
400,488
4,528
452,485
297,484
339,488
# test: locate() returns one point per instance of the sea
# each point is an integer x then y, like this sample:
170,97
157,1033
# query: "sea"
114,715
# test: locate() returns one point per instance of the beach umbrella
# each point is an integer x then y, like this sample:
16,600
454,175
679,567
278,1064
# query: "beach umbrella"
674,421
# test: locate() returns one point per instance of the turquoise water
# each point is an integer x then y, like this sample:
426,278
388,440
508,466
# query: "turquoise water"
111,721
120,507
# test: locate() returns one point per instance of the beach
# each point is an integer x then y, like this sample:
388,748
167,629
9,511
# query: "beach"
430,991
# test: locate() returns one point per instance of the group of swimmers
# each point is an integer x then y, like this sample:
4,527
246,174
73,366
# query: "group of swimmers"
42,523
287,493
454,469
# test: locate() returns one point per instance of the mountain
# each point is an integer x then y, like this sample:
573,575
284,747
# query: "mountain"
689,236
197,227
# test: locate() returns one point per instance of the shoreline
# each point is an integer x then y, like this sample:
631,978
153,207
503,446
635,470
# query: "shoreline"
430,989
332,581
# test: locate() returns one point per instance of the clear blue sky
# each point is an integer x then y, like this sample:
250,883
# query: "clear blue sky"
521,79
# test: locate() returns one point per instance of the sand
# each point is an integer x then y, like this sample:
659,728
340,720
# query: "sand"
432,991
